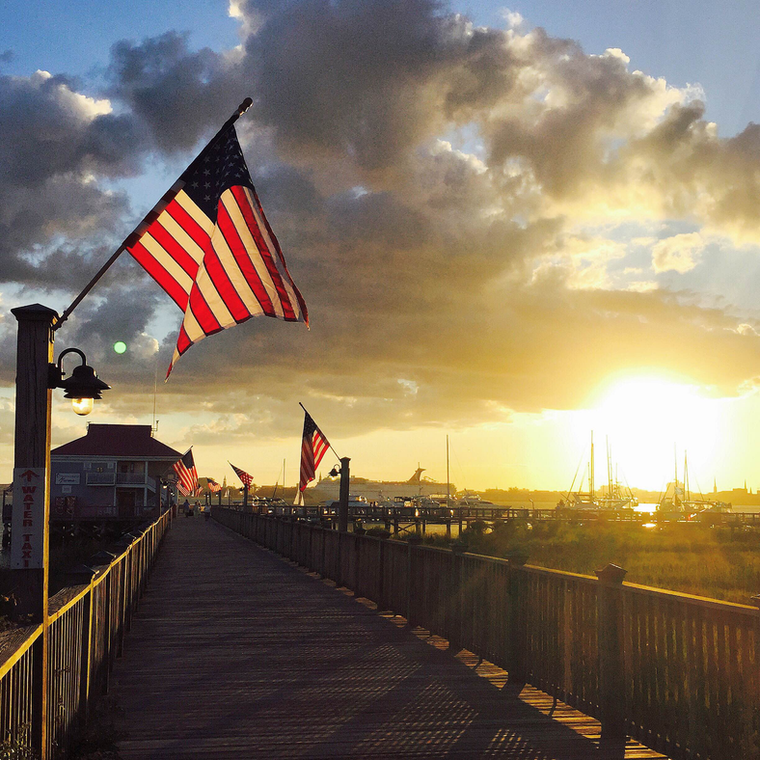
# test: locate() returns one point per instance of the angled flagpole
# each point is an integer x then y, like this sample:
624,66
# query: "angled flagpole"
241,109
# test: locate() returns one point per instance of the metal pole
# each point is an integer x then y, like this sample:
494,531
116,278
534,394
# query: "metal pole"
31,493
344,486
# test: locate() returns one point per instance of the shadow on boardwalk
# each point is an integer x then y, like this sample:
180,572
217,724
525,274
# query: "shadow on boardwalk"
235,653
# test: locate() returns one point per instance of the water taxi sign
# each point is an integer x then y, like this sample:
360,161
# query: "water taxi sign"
28,524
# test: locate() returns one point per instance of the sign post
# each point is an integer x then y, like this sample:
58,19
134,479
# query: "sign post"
31,493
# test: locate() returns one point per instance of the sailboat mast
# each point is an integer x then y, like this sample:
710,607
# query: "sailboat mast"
609,468
676,500
448,482
591,471
686,476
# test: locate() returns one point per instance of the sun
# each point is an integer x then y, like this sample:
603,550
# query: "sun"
652,424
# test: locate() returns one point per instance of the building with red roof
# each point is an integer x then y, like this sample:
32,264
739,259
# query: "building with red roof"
114,471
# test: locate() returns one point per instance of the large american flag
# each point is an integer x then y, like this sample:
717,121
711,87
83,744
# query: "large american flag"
209,246
313,448
245,478
187,475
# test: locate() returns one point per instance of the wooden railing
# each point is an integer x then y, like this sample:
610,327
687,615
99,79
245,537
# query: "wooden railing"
679,673
86,627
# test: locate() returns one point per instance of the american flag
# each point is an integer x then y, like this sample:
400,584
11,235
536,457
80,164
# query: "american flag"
187,483
313,448
213,486
209,246
245,478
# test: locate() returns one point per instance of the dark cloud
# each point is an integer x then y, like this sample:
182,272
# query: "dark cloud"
423,176
175,92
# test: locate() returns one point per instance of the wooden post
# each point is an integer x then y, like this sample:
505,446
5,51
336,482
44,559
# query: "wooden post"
411,572
245,497
456,606
31,496
517,666
611,658
344,487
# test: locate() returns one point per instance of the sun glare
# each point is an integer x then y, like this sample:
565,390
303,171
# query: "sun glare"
645,418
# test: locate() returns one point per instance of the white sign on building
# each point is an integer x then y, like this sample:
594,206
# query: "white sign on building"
67,478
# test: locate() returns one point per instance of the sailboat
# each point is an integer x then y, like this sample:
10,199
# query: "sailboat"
677,497
613,497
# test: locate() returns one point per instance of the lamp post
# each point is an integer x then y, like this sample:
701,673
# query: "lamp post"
36,376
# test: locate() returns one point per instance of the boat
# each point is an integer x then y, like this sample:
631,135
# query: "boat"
677,497
613,496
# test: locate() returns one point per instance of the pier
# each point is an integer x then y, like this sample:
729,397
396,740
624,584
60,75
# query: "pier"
250,636
239,653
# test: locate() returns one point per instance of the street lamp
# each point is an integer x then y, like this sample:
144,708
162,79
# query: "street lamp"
82,387
345,479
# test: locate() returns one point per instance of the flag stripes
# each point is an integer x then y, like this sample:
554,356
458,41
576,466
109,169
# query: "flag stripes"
245,478
210,246
187,483
314,445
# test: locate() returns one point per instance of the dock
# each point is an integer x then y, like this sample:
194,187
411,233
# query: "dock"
235,652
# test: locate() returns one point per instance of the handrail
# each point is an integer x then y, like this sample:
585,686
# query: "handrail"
85,636
19,652
673,670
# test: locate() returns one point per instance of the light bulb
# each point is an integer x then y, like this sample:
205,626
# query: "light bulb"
81,406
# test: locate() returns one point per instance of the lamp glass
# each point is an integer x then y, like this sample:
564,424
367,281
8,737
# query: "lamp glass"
81,406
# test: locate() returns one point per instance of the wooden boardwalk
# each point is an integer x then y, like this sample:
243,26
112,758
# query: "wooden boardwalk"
237,653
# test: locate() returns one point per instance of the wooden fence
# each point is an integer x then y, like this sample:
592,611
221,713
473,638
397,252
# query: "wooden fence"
679,673
86,627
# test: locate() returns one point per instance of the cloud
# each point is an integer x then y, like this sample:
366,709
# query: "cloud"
680,253
56,143
451,200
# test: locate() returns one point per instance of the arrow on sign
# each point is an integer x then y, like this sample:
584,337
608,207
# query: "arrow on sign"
29,474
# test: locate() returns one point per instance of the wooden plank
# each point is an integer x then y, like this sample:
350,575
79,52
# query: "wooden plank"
236,653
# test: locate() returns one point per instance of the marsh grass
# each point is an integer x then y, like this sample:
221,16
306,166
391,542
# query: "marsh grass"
719,563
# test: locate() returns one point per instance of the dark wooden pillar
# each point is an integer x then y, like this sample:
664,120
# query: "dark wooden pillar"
611,657
31,493
517,665
344,487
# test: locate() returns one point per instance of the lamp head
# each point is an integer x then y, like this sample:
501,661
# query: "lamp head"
82,387
335,471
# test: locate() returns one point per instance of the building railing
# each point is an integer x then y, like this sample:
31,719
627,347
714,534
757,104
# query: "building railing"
134,478
86,627
679,673
100,478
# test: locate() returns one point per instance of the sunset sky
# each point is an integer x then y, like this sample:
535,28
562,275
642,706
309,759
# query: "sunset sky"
511,225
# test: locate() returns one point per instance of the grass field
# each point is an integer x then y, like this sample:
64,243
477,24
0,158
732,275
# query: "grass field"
720,563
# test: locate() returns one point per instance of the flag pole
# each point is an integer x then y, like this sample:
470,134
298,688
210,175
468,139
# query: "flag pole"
328,443
241,109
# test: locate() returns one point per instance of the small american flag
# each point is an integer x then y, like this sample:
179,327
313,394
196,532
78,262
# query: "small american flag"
313,448
213,486
208,244
187,483
245,478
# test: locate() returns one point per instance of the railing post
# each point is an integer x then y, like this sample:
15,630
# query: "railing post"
611,657
86,663
517,665
454,623
413,544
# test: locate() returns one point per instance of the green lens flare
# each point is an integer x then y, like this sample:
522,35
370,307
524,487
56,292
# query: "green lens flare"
120,346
